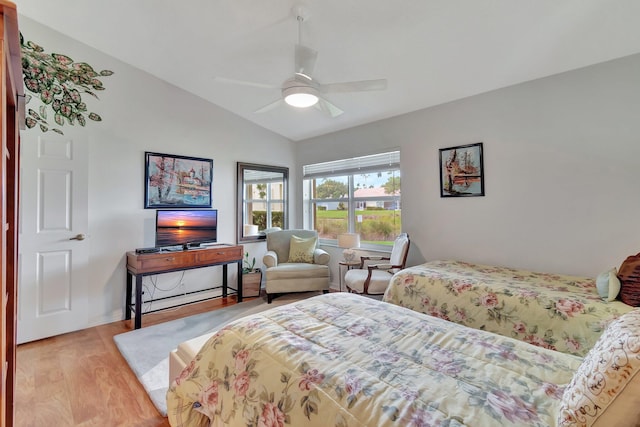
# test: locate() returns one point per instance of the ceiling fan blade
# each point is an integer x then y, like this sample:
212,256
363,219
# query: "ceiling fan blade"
305,59
359,86
328,108
269,106
244,83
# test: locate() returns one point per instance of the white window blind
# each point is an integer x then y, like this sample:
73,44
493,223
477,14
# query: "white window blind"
252,176
372,162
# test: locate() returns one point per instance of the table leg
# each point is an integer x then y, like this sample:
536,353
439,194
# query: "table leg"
239,281
138,308
224,280
127,303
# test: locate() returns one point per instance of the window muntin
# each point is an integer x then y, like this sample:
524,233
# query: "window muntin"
263,204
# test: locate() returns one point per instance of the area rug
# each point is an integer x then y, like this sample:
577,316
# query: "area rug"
146,350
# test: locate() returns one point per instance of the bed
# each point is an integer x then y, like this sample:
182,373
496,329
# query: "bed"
563,313
346,360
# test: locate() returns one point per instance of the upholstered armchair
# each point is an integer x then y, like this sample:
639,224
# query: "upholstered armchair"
295,263
373,279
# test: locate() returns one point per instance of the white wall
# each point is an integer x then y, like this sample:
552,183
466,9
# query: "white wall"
142,113
562,164
562,168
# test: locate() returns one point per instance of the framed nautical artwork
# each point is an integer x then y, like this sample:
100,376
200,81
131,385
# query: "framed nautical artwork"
461,171
177,181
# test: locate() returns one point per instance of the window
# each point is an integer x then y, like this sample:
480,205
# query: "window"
359,195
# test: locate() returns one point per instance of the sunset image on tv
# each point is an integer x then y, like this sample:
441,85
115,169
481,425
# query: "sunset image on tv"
184,227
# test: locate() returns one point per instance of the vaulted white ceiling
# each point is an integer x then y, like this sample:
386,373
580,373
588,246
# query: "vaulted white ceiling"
430,51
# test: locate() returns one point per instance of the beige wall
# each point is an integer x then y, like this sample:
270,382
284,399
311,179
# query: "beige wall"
142,113
562,168
562,163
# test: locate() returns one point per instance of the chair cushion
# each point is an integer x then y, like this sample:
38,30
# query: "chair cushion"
297,271
279,241
354,279
301,250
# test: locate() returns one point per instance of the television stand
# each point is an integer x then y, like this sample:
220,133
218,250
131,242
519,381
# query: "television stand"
141,265
203,245
209,244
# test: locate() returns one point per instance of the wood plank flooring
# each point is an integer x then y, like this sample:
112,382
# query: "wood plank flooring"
81,379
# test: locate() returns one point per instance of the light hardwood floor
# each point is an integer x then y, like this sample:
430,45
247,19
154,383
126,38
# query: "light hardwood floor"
81,379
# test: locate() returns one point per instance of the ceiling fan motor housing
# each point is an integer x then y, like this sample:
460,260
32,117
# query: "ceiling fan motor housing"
300,91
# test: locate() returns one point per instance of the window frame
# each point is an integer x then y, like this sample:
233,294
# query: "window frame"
242,201
310,202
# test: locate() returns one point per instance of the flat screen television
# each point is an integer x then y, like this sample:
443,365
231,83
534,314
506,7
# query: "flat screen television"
186,227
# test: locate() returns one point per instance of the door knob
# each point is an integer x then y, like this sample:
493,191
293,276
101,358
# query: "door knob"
78,237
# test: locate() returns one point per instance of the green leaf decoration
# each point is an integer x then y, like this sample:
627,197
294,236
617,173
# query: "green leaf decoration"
58,131
82,66
62,59
97,84
66,110
35,47
32,85
75,95
59,83
46,96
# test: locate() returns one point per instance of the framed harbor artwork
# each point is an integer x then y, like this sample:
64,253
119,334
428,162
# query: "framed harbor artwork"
461,171
173,181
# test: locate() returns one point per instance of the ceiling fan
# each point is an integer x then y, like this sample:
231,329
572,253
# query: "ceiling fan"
302,90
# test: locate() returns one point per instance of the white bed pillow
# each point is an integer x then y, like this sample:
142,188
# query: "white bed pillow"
605,390
608,285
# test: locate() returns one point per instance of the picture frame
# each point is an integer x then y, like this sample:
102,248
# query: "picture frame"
173,181
462,171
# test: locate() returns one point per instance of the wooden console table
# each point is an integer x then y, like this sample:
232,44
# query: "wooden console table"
141,265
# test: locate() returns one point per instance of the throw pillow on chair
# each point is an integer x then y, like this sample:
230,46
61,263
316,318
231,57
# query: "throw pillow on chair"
301,250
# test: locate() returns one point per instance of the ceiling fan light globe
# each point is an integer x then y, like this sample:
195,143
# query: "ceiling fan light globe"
301,99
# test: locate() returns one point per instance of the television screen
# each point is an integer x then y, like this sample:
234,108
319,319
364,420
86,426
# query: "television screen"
186,227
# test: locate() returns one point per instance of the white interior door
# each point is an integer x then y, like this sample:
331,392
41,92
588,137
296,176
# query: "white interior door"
53,243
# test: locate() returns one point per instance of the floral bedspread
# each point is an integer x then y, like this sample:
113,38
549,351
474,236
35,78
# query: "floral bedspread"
563,313
345,360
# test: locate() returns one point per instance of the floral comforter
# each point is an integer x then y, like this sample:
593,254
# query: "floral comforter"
346,360
563,313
